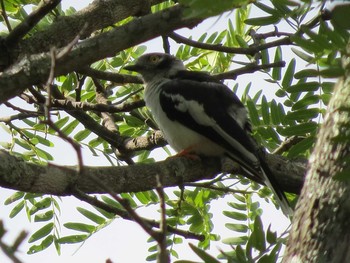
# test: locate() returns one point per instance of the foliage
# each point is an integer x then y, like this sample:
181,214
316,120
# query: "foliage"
273,30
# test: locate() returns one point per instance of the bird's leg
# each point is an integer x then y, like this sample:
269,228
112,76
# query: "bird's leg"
188,153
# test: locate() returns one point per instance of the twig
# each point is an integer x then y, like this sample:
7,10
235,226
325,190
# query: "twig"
221,189
232,74
113,77
128,96
163,254
274,33
29,22
4,15
109,121
81,81
99,107
49,85
216,47
19,116
287,144
9,250
235,50
63,52
125,215
166,44
10,105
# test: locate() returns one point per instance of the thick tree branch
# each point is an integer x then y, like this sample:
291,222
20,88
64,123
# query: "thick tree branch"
29,22
34,69
98,15
19,175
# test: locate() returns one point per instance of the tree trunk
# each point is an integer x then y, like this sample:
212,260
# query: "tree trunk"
321,225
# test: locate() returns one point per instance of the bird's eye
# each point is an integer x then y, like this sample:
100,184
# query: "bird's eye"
154,59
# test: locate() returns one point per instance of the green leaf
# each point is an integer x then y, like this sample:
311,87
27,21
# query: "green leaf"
80,227
271,237
68,129
318,38
265,111
306,102
240,198
203,255
299,129
43,154
237,227
61,122
306,73
265,57
253,113
332,72
307,44
266,8
276,71
274,113
241,41
326,98
43,245
303,55
242,240
44,141
92,216
42,232
13,198
288,76
235,215
242,207
42,217
340,14
81,135
263,21
304,87
18,208
42,204
303,114
95,142
327,87
258,236
72,239
333,35
301,147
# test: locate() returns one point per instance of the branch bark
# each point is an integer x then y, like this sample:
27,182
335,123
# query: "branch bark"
19,175
34,69
320,230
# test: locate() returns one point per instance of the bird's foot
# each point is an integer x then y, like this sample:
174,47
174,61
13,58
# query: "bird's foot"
188,154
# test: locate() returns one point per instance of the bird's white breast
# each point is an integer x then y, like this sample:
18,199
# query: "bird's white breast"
178,136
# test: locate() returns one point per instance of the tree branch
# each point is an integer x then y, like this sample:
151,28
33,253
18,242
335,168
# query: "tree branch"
113,77
218,47
19,175
34,69
29,22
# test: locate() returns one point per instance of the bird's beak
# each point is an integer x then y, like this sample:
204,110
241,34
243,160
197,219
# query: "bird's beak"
134,67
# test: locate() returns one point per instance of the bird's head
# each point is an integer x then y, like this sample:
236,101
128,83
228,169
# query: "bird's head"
156,65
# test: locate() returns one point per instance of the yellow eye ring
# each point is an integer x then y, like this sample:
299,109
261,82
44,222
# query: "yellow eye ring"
154,59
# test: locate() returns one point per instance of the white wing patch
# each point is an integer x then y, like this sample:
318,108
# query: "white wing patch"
196,110
239,114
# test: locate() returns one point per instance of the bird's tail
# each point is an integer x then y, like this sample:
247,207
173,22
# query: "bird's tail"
271,182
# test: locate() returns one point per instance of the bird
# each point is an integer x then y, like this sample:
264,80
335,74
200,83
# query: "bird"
199,115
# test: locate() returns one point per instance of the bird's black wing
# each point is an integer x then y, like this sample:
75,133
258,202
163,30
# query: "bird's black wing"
214,111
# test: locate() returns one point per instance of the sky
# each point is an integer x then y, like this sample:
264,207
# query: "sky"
121,241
